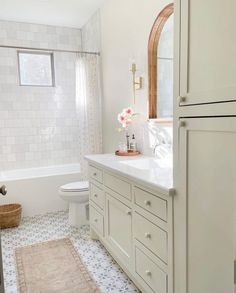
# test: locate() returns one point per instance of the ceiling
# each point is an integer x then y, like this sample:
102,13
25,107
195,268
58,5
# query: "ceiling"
69,13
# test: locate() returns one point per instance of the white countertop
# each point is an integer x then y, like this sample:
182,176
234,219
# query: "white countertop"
152,172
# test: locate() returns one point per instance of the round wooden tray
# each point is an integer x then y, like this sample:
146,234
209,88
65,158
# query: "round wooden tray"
129,153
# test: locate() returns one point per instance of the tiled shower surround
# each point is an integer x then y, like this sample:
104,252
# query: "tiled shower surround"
38,125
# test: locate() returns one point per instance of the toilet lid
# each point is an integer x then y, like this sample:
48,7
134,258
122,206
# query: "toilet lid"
75,186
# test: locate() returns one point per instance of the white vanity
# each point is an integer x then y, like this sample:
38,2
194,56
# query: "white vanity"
131,214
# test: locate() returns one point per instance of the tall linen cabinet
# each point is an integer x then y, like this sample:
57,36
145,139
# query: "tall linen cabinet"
205,146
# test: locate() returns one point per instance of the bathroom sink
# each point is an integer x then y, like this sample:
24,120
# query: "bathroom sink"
149,163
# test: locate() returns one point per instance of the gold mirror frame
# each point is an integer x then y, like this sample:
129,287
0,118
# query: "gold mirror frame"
152,57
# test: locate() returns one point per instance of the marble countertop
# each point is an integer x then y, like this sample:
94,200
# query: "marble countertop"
149,171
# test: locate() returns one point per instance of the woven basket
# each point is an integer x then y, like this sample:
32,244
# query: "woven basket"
10,215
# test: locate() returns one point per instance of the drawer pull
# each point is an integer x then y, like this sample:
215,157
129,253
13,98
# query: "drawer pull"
95,174
148,273
147,202
95,220
148,235
95,195
128,213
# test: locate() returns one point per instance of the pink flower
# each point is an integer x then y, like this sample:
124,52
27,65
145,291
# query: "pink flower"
121,118
129,111
125,117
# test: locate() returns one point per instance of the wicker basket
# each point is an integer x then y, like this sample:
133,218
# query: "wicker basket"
10,215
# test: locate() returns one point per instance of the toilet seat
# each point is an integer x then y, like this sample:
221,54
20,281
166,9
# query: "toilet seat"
79,186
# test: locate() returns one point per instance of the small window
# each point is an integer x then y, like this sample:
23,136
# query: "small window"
36,68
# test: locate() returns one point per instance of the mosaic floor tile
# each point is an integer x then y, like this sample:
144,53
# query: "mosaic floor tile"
108,275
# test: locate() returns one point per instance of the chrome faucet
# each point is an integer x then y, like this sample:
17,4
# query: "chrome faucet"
155,147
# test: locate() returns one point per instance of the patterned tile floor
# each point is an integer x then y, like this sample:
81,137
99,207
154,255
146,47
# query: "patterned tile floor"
108,275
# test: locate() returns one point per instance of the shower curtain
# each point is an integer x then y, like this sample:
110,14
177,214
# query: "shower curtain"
88,107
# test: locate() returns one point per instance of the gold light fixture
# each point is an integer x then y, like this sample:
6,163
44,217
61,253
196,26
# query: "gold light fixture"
137,81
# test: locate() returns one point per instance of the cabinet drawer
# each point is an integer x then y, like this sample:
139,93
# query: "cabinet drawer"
118,185
97,195
150,272
151,236
151,203
96,220
95,173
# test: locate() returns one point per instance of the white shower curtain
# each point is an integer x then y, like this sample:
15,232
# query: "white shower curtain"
88,106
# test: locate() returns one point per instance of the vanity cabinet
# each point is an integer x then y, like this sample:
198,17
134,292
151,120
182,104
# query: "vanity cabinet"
205,206
206,32
134,223
119,228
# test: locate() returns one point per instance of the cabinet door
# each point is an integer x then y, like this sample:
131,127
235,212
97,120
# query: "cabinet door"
205,206
207,51
118,228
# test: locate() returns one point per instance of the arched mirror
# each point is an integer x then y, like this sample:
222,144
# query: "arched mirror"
160,55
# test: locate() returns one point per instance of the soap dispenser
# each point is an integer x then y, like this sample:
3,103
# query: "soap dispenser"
133,144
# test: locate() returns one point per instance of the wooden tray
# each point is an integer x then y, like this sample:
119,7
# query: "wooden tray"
127,154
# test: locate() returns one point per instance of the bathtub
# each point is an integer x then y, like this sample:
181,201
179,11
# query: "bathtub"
36,189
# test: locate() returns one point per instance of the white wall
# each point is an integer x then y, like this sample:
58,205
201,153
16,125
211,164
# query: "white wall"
91,34
125,29
38,125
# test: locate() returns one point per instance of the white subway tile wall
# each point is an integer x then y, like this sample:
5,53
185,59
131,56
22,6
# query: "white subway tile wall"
38,126
39,36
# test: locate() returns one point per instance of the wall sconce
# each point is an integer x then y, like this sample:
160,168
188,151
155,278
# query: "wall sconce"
137,81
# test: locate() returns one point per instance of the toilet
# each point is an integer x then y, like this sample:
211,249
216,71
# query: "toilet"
77,195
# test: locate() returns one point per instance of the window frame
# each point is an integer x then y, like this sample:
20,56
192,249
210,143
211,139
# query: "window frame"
36,52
